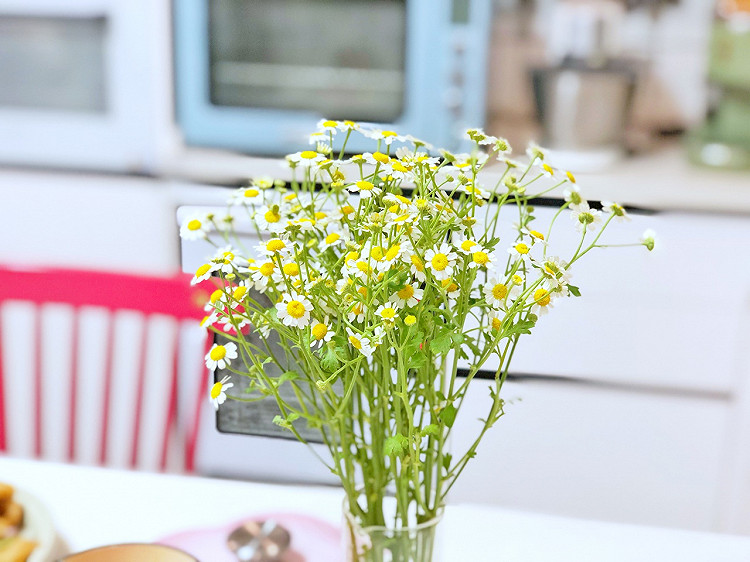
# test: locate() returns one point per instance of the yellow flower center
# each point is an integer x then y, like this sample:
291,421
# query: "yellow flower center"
399,167
388,313
364,185
548,169
542,297
320,215
332,238
410,320
390,134
251,192
467,245
380,157
571,177
451,287
522,248
194,224
295,309
536,234
439,262
496,324
291,269
517,279
363,291
218,353
239,293
272,216
392,252
481,258
202,270
308,154
319,331
355,342
376,253
267,269
275,245
358,309
350,124
419,266
216,390
329,123
499,291
363,266
406,293
215,296
351,256
347,210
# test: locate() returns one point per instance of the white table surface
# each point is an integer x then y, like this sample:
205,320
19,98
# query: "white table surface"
94,506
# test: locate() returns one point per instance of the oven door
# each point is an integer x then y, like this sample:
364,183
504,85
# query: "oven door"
257,75
86,83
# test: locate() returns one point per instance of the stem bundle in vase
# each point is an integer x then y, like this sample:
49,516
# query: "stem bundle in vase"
377,274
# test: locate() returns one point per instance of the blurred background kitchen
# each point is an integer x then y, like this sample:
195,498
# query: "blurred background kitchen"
115,116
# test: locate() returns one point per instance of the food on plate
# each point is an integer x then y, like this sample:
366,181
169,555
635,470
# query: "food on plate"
13,548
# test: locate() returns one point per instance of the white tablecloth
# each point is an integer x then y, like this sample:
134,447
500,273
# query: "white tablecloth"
93,507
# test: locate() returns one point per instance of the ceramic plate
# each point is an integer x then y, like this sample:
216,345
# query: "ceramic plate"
37,527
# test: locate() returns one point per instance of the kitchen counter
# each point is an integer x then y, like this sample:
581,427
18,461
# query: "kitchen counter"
662,179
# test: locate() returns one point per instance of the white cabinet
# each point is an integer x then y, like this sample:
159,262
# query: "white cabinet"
634,405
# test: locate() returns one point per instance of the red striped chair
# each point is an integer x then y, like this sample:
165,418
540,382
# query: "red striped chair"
101,368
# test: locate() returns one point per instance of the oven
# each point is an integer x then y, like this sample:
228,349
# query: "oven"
257,75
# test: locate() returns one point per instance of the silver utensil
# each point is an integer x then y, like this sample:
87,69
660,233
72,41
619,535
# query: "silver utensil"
259,541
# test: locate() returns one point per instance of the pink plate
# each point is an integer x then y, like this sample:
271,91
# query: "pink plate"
313,540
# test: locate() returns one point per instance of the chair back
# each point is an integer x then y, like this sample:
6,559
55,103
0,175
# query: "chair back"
101,368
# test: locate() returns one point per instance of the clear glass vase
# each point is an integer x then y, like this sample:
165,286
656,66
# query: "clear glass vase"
373,543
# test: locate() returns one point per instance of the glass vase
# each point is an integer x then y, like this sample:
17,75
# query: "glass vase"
374,543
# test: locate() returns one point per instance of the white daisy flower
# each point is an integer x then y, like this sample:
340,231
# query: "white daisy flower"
388,312
321,333
554,269
263,182
466,245
360,343
387,136
228,260
218,392
270,218
376,158
357,312
328,126
442,262
220,356
345,126
520,250
195,227
275,247
495,320
476,191
306,158
573,196
482,258
294,310
365,189
542,299
535,151
263,274
390,257
251,195
495,292
407,296
615,209
204,272
451,288
333,238
417,268
585,218
534,235
317,138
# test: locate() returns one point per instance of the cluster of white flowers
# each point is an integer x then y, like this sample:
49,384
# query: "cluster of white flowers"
393,236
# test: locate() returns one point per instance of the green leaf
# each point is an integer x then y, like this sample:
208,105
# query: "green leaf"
448,415
395,445
457,338
431,429
442,343
447,458
288,376
330,360
521,327
416,360
575,291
